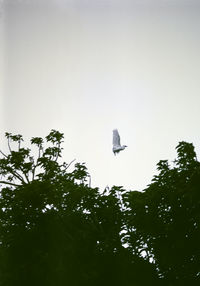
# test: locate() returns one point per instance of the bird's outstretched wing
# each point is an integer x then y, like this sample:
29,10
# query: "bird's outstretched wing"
116,138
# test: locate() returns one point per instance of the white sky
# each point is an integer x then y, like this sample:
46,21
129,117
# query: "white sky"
85,67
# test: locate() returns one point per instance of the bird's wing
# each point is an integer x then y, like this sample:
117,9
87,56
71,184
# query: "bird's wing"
116,138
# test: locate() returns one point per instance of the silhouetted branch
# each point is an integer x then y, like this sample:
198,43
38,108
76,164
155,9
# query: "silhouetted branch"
26,177
19,144
7,183
3,154
18,176
70,164
9,145
33,172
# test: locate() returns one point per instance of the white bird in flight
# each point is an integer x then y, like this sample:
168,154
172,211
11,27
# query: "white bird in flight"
116,142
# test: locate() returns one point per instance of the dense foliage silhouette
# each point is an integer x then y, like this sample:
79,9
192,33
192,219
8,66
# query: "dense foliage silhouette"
57,230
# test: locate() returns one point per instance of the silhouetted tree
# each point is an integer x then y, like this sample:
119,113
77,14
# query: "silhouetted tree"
163,222
57,230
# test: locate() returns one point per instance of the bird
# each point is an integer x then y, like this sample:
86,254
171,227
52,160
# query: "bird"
116,142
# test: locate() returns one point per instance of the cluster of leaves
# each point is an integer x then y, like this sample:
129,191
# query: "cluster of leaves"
57,230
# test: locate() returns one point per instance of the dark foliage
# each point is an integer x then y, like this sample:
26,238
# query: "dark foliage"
57,230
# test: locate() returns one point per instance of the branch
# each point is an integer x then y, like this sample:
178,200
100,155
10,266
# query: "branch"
12,172
33,172
40,149
70,164
3,154
12,184
36,165
57,154
18,176
19,143
9,145
15,173
39,154
26,176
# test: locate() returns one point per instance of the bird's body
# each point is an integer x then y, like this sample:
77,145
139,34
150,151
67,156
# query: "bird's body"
116,142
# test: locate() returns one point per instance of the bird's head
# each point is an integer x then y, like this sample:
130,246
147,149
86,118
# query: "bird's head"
124,146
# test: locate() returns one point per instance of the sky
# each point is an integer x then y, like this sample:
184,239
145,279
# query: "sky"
86,67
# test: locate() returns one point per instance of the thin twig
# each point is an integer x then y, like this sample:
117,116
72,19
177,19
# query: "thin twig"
18,176
70,164
12,184
9,146
3,154
26,176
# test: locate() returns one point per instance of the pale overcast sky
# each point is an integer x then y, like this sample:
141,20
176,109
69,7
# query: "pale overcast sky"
85,67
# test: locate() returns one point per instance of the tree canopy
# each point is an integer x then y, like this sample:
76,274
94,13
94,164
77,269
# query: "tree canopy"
57,230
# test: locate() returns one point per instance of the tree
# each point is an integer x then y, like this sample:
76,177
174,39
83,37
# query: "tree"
57,230
163,221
